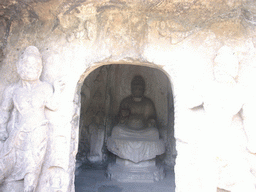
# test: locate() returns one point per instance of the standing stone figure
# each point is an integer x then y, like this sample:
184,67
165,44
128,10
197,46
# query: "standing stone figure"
96,134
222,100
23,125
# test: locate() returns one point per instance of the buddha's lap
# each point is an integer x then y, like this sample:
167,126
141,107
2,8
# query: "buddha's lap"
122,131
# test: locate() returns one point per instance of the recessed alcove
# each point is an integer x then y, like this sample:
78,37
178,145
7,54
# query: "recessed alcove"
102,91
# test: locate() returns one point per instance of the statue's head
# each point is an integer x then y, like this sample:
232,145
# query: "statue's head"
138,86
30,64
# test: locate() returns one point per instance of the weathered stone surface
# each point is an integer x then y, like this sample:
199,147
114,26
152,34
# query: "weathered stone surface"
24,127
221,102
179,37
97,133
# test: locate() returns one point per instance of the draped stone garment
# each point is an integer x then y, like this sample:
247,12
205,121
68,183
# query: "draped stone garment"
23,151
135,145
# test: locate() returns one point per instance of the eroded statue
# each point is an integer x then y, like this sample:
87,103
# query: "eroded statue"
222,100
135,139
96,135
23,125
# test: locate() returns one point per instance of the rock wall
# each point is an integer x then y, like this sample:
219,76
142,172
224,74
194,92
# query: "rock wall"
179,37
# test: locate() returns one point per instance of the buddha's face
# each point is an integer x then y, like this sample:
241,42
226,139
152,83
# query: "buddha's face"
138,87
30,68
137,91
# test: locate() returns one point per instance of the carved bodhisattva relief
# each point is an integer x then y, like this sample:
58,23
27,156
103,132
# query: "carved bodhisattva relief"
23,125
222,100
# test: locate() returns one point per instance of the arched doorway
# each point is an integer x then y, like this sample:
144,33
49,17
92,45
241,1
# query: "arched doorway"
101,94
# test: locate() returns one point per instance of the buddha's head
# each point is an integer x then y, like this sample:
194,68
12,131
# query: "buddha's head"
138,86
30,64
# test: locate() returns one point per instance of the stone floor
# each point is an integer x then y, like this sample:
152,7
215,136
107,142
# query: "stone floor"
94,180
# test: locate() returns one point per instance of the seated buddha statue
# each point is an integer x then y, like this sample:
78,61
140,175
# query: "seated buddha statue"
137,114
135,139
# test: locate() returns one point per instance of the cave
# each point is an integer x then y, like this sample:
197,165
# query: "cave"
101,93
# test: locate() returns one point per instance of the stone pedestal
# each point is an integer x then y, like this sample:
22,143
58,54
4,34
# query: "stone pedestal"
136,158
143,172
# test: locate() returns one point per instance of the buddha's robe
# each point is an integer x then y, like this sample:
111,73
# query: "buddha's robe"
136,138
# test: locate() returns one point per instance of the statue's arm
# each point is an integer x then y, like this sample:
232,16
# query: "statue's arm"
152,111
55,92
5,110
124,104
151,114
124,110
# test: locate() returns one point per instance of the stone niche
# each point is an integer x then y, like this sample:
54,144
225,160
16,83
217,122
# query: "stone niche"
101,94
